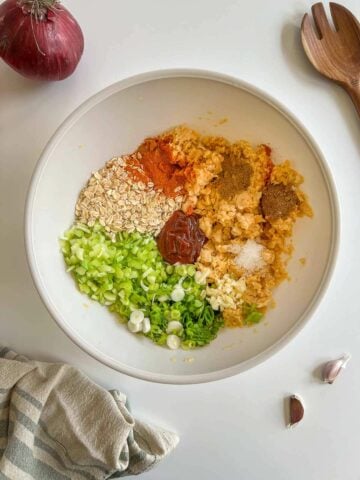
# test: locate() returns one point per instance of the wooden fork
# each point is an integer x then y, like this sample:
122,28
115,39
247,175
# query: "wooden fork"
335,53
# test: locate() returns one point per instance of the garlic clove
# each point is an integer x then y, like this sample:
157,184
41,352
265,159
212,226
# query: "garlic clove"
296,410
332,369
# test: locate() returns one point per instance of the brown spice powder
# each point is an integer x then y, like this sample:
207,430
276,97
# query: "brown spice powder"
278,200
235,176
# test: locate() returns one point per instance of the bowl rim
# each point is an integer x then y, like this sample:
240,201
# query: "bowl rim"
206,75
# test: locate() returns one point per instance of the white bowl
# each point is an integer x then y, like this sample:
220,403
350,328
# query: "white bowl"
114,122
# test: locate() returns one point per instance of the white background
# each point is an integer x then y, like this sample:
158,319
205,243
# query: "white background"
231,429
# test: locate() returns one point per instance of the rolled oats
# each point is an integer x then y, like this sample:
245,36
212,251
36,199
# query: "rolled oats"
113,199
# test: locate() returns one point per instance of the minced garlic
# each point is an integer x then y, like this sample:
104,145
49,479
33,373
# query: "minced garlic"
226,293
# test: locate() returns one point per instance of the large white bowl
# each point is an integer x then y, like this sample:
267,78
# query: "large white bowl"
114,122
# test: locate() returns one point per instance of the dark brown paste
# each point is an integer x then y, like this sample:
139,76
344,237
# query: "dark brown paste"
181,239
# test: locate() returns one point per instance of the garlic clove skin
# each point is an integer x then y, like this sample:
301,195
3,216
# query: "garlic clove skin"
296,410
332,369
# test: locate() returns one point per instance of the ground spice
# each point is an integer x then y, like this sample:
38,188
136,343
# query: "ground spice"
159,165
269,168
267,149
235,176
278,200
134,167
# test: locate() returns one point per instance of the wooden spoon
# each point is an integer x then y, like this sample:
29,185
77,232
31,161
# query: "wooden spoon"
335,53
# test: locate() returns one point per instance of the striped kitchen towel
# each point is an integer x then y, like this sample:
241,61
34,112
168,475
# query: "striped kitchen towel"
56,424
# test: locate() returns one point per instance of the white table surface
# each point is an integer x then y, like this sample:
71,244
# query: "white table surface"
231,429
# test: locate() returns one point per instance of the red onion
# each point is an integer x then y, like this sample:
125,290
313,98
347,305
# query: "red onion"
40,38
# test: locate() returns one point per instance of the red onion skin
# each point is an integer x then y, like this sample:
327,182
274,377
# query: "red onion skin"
48,49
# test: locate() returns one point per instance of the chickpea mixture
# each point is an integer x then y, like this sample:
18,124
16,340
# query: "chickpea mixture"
247,207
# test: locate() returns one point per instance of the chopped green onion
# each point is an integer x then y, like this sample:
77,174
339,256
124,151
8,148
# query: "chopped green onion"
137,316
129,276
178,294
251,314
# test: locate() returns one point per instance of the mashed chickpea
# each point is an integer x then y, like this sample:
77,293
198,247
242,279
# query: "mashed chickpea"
245,202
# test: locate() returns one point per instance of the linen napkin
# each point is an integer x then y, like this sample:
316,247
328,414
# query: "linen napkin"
56,424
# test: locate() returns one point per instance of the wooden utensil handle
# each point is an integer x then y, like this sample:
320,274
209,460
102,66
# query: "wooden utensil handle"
354,92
